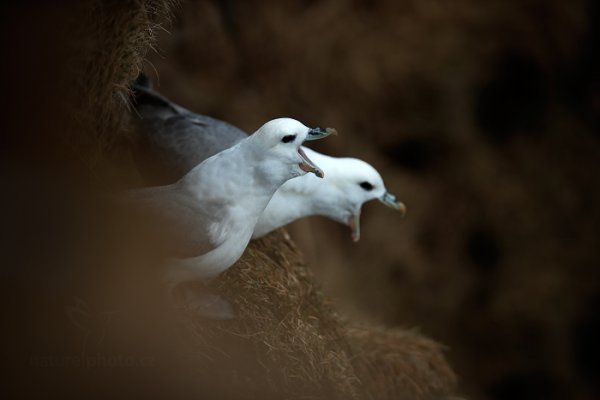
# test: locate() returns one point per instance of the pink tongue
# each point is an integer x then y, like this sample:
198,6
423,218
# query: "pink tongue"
304,168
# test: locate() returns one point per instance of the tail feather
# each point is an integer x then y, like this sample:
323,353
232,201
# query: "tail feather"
143,94
143,81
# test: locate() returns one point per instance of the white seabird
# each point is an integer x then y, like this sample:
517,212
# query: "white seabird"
347,185
174,140
214,208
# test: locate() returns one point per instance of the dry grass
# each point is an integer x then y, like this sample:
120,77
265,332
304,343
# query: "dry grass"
400,364
292,338
112,39
286,342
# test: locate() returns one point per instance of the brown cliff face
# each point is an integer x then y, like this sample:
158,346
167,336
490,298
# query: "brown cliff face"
482,118
287,342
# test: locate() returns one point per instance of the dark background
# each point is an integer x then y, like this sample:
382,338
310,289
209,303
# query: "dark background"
482,117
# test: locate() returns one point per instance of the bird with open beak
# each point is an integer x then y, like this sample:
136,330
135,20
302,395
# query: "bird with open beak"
348,184
211,212
173,140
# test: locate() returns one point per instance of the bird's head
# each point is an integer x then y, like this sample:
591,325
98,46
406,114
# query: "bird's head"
351,183
279,141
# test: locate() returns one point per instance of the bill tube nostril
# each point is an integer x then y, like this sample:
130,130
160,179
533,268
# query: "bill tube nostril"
319,133
390,200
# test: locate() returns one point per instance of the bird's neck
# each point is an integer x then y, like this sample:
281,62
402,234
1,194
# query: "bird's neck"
297,198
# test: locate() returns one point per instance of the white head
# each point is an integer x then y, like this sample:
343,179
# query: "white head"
278,143
349,184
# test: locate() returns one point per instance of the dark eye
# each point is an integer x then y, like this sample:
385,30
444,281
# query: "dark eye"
366,185
288,138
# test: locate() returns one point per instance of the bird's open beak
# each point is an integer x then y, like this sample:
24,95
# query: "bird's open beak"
318,133
308,166
354,224
390,200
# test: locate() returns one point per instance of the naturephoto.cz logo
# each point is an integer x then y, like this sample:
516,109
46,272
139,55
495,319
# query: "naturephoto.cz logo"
94,326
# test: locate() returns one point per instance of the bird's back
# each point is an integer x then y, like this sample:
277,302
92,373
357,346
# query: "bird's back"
172,139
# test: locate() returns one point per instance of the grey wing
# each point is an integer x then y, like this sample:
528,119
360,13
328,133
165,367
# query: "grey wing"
173,140
187,228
